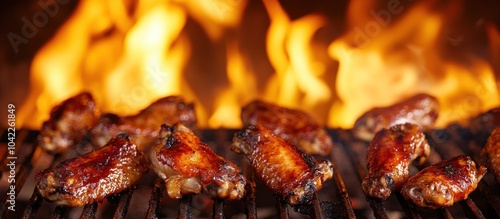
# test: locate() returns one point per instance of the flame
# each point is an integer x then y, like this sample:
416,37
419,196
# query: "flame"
130,53
298,81
381,64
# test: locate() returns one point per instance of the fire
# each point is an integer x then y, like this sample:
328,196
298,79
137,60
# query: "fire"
128,54
382,63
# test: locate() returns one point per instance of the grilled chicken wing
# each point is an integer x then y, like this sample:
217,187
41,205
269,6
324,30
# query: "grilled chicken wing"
143,127
491,153
296,127
444,183
69,123
389,157
189,166
285,169
483,124
420,109
94,176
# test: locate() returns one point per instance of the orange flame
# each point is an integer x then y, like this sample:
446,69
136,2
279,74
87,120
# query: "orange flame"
386,64
129,54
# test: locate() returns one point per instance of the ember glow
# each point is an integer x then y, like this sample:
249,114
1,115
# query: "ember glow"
130,53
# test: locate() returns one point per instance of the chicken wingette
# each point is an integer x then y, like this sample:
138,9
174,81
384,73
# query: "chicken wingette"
69,123
444,183
285,169
143,127
94,176
189,166
295,126
421,109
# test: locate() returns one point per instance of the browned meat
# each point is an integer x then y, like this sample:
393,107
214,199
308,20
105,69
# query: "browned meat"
420,109
444,183
491,153
285,169
69,123
188,166
483,124
94,176
143,127
296,127
389,157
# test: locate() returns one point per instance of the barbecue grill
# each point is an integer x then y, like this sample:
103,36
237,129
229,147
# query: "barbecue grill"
341,197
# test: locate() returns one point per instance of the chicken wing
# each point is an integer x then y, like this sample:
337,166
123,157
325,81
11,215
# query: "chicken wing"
94,176
143,127
189,166
296,127
491,153
483,124
69,123
421,109
286,170
389,157
444,183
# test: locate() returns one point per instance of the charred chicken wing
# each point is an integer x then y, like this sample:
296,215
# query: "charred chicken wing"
483,124
94,176
420,109
143,127
444,183
389,157
284,168
491,153
189,166
69,123
296,127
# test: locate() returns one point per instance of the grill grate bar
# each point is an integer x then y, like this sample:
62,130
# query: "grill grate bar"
89,211
471,209
34,204
344,196
60,212
154,201
218,209
409,209
121,210
494,201
185,210
283,208
251,208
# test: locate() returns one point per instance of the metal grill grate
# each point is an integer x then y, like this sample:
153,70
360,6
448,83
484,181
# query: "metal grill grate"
337,199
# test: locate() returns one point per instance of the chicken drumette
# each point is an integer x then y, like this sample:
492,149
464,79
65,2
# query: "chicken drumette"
94,176
491,153
296,127
69,123
444,183
421,109
389,157
284,168
143,127
189,166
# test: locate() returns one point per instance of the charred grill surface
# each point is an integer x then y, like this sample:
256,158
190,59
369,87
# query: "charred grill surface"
149,198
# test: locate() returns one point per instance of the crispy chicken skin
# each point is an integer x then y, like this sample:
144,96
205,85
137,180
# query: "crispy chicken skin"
389,157
69,123
285,169
189,166
491,153
143,127
296,127
483,124
421,109
94,176
444,183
